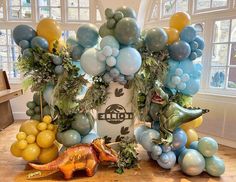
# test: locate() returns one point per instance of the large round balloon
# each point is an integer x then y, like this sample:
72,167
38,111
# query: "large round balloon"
147,137
179,139
188,34
193,163
192,87
90,63
104,31
180,20
23,32
139,131
39,42
156,39
69,138
87,35
109,41
49,29
167,160
127,12
71,42
215,166
129,61
127,31
173,35
179,50
207,146
77,51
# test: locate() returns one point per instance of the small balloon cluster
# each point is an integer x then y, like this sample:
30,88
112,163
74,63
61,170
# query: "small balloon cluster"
199,156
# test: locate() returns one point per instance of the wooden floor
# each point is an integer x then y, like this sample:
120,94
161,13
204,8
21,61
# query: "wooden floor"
15,169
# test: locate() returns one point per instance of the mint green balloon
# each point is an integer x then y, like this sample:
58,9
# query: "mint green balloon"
215,166
207,146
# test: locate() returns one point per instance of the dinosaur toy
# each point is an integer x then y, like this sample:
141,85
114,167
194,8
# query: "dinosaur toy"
79,157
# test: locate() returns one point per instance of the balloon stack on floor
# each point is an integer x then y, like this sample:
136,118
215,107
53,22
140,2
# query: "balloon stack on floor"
160,67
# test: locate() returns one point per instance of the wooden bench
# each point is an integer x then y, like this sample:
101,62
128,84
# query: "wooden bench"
6,93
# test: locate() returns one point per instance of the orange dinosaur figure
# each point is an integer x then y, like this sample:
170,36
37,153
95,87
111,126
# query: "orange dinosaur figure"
80,157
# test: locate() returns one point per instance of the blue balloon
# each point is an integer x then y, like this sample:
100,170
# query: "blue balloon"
156,150
166,148
129,61
193,45
207,146
179,151
139,131
48,94
89,138
39,42
193,163
57,60
147,137
156,39
109,41
193,56
194,145
23,32
24,44
27,53
188,34
179,50
179,139
70,137
87,35
181,156
167,160
199,52
59,69
192,87
215,166
90,64
77,51
71,42
200,41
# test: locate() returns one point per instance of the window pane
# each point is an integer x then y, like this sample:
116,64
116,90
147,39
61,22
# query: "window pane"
199,27
43,12
84,14
4,66
221,33
25,3
232,78
15,12
203,4
43,2
155,11
219,55
14,53
55,3
233,54
169,7
217,78
98,15
3,37
1,12
182,5
26,12
219,3
3,54
10,39
73,14
72,3
233,31
15,2
56,13
83,3
13,73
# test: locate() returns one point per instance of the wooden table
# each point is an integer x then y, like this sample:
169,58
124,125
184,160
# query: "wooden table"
15,169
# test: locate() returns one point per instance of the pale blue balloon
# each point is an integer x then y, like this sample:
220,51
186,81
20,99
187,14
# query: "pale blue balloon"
179,151
24,44
178,72
57,60
23,32
200,41
215,166
181,155
59,69
87,35
129,61
188,34
107,78
193,163
207,146
179,139
39,42
192,87
89,138
194,145
77,51
179,50
167,160
114,73
139,131
48,94
90,64
109,41
156,150
71,42
146,139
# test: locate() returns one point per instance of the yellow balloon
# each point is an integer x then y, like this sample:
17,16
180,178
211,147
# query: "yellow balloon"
192,124
49,29
180,20
61,44
173,35
191,136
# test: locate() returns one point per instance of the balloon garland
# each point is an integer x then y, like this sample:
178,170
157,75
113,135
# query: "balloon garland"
157,64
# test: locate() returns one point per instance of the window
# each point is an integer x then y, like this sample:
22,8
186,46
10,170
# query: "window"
19,9
170,7
209,5
9,52
98,14
154,14
223,64
49,8
78,10
68,33
1,10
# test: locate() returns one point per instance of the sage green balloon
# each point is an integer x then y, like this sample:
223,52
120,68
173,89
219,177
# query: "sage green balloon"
83,123
215,166
104,31
207,146
127,31
127,12
193,163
